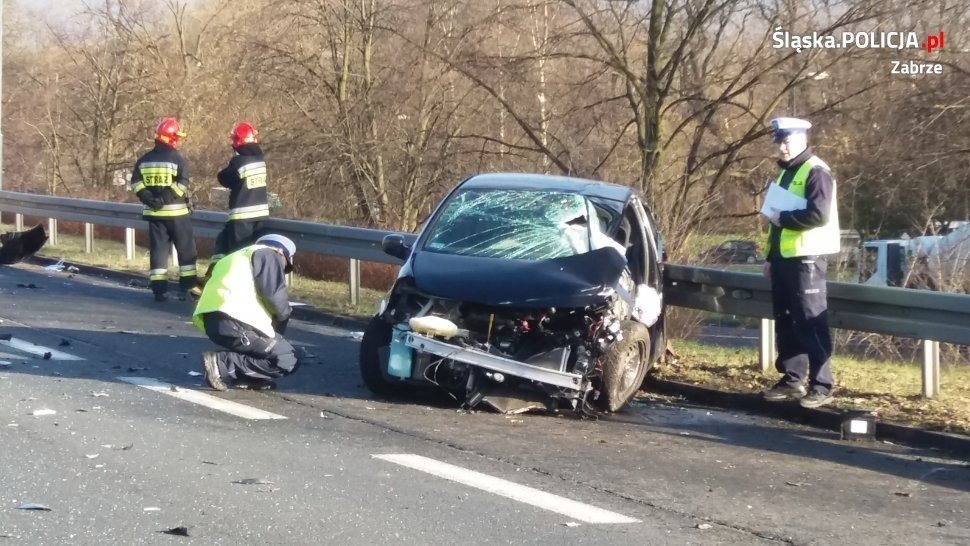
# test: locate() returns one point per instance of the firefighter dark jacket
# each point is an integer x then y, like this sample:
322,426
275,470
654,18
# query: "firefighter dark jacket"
160,179
245,177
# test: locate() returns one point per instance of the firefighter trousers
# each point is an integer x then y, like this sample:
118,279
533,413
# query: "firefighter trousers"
251,354
800,307
162,234
236,234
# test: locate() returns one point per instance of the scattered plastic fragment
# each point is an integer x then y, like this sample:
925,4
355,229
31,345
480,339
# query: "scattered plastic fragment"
356,336
99,394
33,506
177,531
92,456
571,524
195,374
903,494
704,526
151,509
253,481
43,412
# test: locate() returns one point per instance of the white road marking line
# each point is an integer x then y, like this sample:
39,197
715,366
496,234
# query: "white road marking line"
505,488
38,350
202,399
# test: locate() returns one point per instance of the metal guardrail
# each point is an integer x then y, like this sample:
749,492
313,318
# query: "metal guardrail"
919,314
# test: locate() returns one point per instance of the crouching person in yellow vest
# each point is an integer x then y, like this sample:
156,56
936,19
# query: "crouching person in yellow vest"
799,242
245,308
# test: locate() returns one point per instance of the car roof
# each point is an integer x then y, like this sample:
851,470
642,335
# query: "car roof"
526,181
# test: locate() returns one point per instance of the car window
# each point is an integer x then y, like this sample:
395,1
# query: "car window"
514,224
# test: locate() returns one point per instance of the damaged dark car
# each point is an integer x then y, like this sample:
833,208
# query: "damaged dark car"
524,292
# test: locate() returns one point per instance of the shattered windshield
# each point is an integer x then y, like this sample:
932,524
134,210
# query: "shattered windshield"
513,224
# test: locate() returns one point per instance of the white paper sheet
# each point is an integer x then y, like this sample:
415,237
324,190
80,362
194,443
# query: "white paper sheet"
778,199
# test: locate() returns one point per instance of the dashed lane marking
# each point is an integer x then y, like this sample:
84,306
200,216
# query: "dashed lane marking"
202,399
507,489
39,350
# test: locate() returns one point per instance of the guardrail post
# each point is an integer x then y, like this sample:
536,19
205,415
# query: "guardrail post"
766,347
52,231
354,281
931,368
88,238
18,222
130,243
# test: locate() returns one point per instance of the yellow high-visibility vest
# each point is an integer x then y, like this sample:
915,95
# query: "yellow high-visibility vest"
819,240
231,290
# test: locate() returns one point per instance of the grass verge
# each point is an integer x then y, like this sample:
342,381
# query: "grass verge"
890,388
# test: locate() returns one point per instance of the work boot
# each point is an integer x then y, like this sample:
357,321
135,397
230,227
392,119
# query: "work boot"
210,366
783,392
195,293
254,384
161,296
816,399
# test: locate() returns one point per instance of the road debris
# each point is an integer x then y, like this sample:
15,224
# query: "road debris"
253,481
99,394
43,412
136,369
195,374
903,494
704,526
571,524
177,531
92,456
796,484
356,336
64,343
32,286
33,506
151,509
48,355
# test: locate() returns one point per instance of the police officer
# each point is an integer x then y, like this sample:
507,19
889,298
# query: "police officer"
799,242
245,177
160,180
249,324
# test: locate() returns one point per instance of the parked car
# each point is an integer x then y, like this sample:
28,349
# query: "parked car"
732,252
523,287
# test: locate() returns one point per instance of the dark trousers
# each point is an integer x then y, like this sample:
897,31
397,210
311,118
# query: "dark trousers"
802,334
162,234
251,354
235,235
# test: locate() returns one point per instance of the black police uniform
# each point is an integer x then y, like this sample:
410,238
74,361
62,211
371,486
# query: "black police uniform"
160,180
245,176
798,289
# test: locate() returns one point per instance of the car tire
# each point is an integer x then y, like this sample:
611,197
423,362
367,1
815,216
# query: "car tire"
377,335
625,366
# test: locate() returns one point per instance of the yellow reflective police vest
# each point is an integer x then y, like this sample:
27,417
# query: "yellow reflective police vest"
231,290
819,240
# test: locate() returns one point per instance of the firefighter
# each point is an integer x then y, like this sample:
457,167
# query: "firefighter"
799,242
249,324
245,177
160,180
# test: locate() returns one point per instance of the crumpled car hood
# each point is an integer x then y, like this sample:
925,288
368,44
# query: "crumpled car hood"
573,281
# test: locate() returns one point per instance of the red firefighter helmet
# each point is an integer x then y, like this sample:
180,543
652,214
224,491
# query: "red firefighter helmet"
169,132
243,133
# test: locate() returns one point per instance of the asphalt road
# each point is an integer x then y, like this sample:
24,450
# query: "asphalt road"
119,463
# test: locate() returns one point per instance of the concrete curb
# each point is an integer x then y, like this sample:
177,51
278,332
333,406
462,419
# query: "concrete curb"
821,417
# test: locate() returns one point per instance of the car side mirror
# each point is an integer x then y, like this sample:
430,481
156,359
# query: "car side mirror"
394,245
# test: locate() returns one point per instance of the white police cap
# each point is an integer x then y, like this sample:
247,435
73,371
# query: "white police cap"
280,242
782,127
